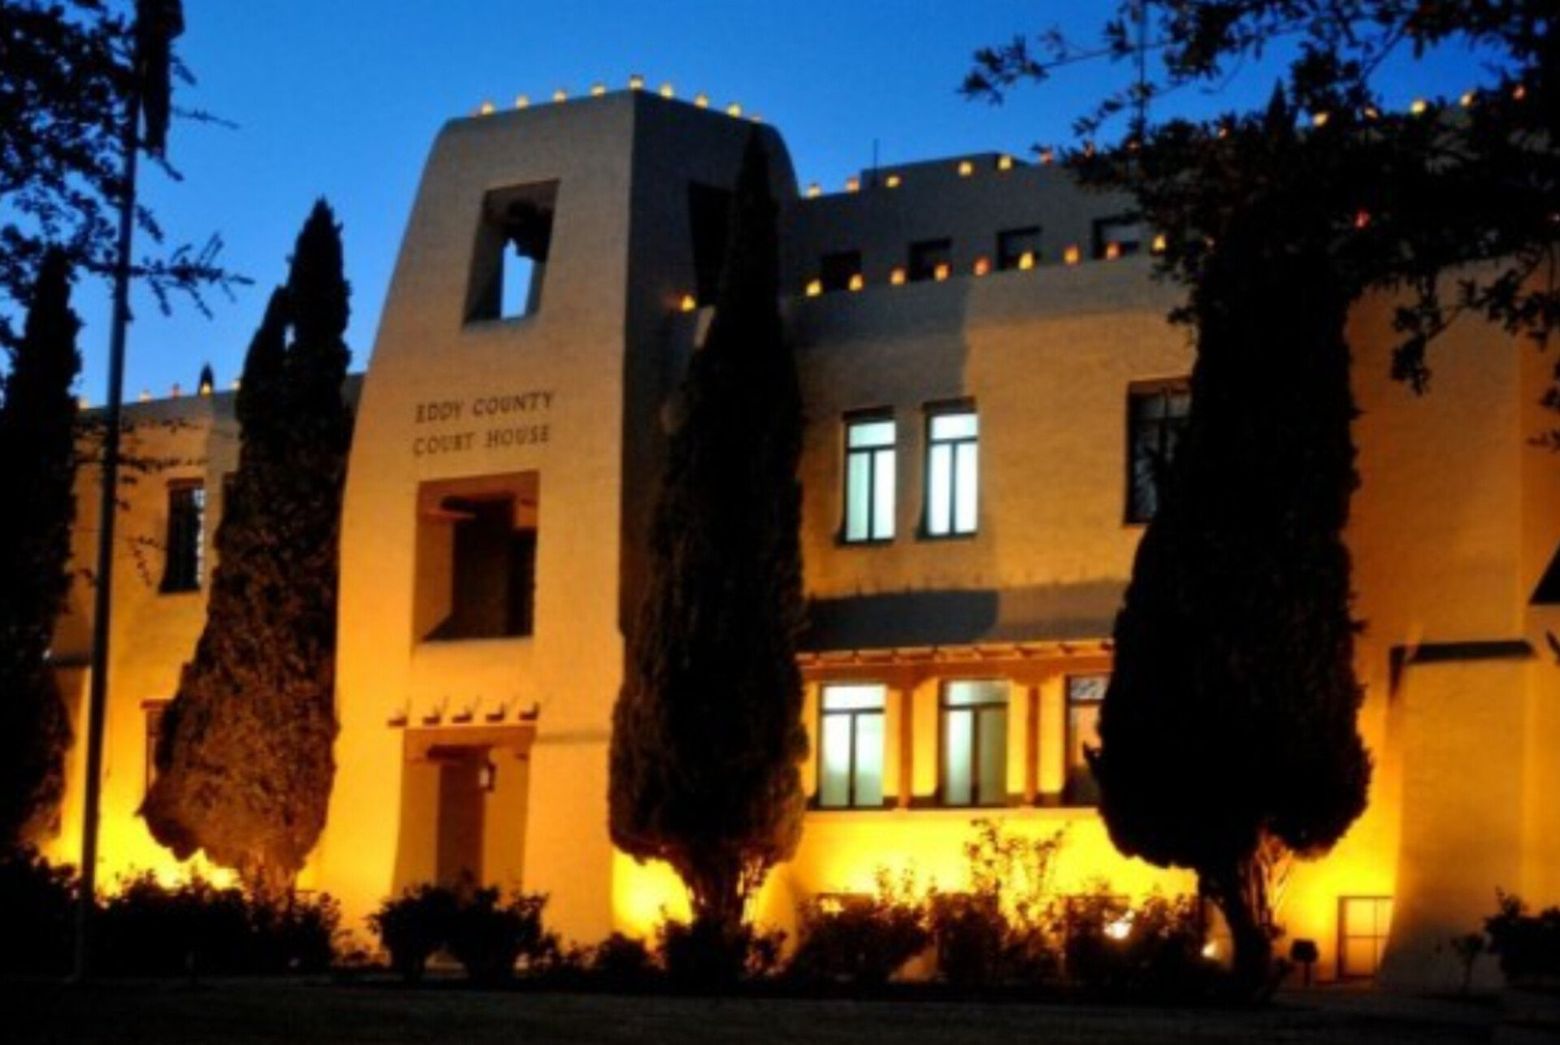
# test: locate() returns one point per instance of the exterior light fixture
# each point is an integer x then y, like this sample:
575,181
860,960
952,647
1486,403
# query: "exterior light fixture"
1112,251
560,95
734,109
982,266
1072,255
1361,218
857,281
814,191
485,109
1372,113
1047,156
1224,131
597,90
1026,260
145,396
755,118
897,277
1419,107
1004,162
1519,92
688,303
522,101
814,287
1210,950
1468,99
668,91
636,82
942,271
852,184
1121,928
893,181
702,100
1159,244
1320,119
966,168
487,776
83,403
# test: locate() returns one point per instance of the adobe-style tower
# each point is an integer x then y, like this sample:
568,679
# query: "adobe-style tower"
505,448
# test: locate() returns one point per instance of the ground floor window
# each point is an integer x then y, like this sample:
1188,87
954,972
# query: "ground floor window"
1085,694
1363,922
974,742
155,710
850,746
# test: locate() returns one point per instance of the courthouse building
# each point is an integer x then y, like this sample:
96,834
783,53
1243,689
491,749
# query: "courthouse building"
987,372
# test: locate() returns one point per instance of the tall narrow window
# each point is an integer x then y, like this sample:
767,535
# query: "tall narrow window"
513,243
952,472
974,743
1084,696
930,259
1363,923
850,747
869,479
155,710
184,551
1156,420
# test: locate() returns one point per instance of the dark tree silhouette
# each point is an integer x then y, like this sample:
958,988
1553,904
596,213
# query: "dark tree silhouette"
245,763
1228,730
707,732
37,463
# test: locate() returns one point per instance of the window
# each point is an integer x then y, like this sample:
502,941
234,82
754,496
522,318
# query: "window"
930,259
1014,245
837,271
1363,923
952,471
1156,420
709,214
1084,695
1119,236
513,242
974,743
850,747
869,479
184,550
155,710
476,558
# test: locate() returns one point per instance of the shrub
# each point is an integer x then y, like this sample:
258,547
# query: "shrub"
704,955
1528,945
488,936
414,925
861,940
622,961
1152,949
37,908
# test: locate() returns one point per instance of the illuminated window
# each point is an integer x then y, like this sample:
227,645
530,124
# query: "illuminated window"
974,743
513,242
1120,236
928,256
869,479
952,471
1014,244
155,710
1363,923
837,270
1156,421
850,747
184,550
1084,694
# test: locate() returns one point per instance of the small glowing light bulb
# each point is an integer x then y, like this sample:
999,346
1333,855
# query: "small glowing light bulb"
814,191
857,281
1072,255
688,303
814,287
897,277
668,91
966,168
893,181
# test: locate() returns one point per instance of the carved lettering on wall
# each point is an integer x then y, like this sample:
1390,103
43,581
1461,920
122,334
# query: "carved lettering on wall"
487,421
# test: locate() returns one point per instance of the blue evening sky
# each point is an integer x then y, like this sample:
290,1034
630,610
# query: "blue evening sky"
341,99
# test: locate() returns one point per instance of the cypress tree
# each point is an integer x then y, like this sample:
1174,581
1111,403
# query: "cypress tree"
707,732
245,762
38,464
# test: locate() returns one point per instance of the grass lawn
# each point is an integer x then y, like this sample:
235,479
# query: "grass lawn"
238,1012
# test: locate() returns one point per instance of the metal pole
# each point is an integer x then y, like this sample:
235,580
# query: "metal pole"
97,693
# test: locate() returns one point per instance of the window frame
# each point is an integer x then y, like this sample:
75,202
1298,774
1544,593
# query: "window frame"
915,271
1103,224
853,714
175,583
1002,706
875,415
1379,937
1131,512
932,412
1069,796
1006,263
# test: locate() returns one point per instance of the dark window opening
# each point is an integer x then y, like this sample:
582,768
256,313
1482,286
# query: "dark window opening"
1120,236
513,244
1156,422
930,259
837,271
184,549
1018,248
492,572
709,214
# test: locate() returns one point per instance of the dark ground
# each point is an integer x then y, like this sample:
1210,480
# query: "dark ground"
239,1012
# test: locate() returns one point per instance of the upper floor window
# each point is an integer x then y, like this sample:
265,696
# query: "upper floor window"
930,259
184,549
1018,248
952,471
476,558
513,243
1119,236
1085,693
850,746
840,270
869,479
974,743
1156,421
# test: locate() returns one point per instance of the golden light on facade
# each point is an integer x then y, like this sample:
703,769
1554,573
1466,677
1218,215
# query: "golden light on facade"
852,184
701,100
1072,255
1112,251
1004,162
966,168
897,277
205,388
982,266
734,109
942,271
814,190
893,181
814,287
560,95
1160,244
668,91
688,303
1026,260
636,82
522,101
857,281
